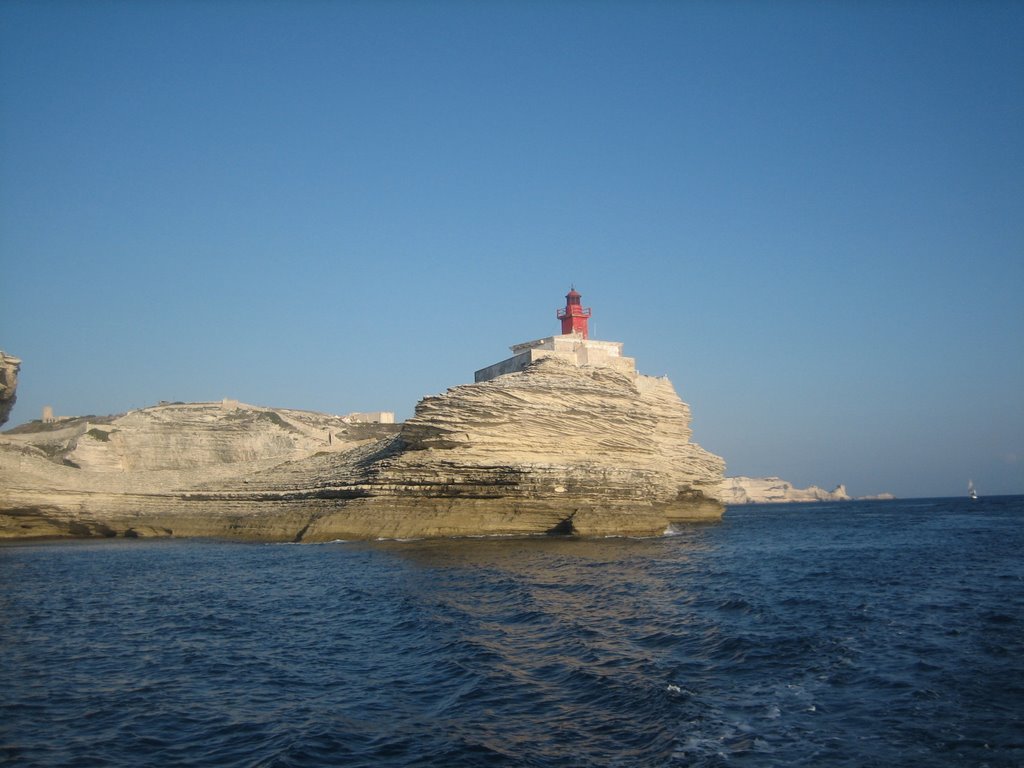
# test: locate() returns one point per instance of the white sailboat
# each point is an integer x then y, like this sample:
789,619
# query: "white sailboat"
971,493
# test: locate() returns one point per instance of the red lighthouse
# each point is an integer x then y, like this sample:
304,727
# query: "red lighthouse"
574,317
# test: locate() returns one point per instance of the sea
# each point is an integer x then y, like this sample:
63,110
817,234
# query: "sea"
882,633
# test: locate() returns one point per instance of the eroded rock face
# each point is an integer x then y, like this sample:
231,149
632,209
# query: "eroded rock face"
9,367
556,448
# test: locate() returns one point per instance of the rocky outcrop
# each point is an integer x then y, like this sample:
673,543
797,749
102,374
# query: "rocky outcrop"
9,367
556,448
764,490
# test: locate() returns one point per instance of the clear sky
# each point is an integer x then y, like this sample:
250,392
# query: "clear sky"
809,215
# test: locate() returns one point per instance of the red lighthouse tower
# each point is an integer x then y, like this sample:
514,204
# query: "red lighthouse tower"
574,317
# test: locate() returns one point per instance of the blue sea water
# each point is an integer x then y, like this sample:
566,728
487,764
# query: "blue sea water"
842,634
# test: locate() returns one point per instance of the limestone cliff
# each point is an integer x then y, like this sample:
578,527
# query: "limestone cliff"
763,490
9,367
558,447
555,448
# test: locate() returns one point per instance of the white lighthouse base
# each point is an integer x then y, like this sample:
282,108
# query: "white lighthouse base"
571,347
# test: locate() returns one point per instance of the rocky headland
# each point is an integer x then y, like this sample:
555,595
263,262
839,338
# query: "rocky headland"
557,447
767,490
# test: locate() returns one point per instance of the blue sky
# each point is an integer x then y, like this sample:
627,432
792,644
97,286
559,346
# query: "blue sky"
810,216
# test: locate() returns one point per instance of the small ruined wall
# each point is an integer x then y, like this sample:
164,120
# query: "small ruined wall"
513,364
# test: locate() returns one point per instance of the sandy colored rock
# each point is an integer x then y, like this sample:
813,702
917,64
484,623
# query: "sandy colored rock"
556,448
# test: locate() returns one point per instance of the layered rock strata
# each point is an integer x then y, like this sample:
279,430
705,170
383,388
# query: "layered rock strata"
557,448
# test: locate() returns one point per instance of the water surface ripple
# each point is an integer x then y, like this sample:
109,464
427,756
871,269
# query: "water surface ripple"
853,634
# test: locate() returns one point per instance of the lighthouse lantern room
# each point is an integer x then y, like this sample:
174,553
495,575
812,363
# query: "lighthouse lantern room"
574,317
573,346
